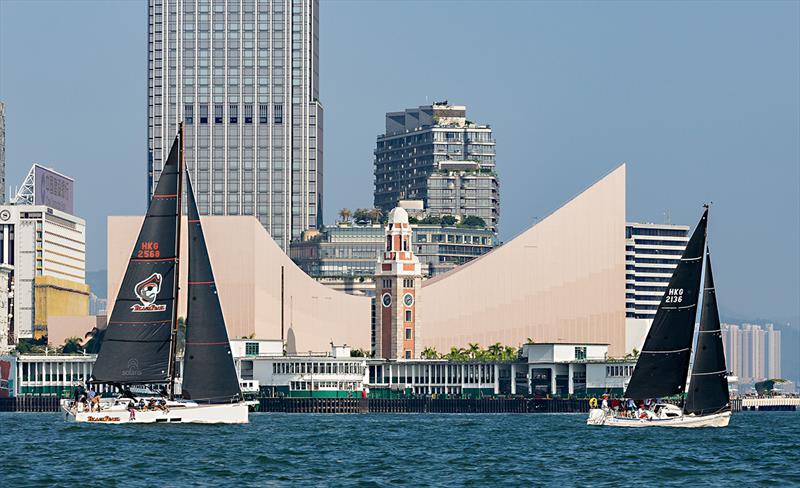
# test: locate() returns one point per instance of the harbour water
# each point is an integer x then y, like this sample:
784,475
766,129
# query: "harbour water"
39,449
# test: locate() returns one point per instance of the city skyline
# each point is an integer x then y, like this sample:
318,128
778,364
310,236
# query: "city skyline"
689,123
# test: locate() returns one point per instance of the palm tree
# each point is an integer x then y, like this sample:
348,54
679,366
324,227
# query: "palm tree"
345,214
473,350
375,215
429,353
495,351
71,345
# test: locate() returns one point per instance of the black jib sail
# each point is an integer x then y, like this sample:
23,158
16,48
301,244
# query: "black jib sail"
708,386
664,361
136,344
208,371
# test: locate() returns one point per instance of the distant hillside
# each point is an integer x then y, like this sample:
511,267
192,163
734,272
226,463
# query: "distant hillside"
97,280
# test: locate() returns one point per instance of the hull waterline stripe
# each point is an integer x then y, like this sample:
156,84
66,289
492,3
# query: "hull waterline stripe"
152,260
708,331
679,308
201,282
206,343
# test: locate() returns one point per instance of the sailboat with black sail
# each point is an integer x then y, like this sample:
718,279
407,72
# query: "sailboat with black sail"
138,351
663,365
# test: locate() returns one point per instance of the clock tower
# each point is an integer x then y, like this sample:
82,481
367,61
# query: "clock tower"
398,278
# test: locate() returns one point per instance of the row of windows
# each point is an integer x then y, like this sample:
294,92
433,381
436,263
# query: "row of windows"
619,371
317,368
432,373
233,114
640,231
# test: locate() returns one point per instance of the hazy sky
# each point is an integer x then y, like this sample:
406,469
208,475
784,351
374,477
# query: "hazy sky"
700,99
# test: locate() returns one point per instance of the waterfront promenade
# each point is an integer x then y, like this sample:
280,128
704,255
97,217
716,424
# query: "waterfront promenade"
416,405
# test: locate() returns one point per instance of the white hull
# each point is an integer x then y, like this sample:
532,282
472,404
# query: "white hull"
601,417
182,412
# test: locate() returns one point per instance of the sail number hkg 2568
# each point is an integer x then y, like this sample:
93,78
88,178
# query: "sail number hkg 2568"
674,295
148,249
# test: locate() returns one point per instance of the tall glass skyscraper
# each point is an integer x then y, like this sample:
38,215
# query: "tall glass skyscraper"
243,77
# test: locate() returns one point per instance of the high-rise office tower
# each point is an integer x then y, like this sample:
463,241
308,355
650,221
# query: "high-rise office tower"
2,153
772,347
243,77
435,154
652,251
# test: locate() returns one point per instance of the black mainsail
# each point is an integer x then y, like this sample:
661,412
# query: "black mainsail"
209,374
137,342
664,361
708,386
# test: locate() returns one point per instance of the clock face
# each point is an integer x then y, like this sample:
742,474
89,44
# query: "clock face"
5,215
386,299
408,299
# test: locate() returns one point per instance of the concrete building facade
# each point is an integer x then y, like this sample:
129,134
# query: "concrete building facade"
752,352
562,280
47,250
244,78
652,251
435,154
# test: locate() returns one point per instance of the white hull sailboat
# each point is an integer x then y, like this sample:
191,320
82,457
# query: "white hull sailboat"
178,411
599,416
663,365
138,348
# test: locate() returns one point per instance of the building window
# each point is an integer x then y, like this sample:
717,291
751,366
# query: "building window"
408,319
580,353
248,113
218,113
408,331
262,113
408,354
188,114
233,111
203,113
278,113
251,348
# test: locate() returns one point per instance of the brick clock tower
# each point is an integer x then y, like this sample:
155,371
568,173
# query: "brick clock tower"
398,278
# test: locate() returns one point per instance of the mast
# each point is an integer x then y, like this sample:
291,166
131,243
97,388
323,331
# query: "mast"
176,285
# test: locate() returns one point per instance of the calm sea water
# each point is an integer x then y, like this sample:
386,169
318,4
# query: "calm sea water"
387,450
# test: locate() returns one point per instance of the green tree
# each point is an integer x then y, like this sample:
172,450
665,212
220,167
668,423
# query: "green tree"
345,214
495,351
361,216
359,353
448,220
474,221
429,353
432,220
413,220
375,215
473,348
72,345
